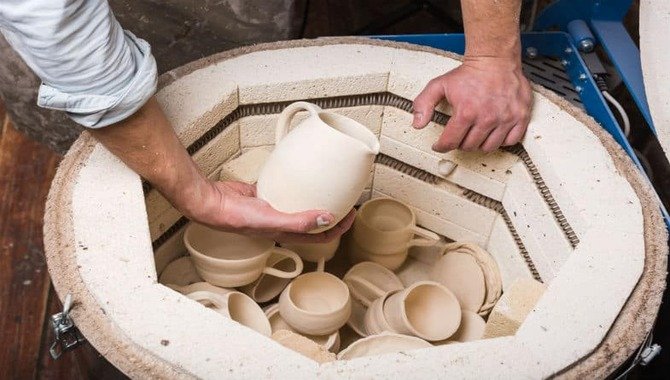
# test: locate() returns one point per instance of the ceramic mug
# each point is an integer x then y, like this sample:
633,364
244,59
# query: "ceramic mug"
267,286
330,342
367,281
388,226
299,173
425,309
315,303
375,320
315,251
180,272
230,260
391,261
232,304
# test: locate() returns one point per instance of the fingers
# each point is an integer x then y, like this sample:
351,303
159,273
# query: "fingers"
323,237
515,135
454,132
495,139
425,102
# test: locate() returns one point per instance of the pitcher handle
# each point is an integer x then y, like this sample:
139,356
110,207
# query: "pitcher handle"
280,273
289,112
426,238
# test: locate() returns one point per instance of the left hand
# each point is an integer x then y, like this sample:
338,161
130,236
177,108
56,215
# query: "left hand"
491,101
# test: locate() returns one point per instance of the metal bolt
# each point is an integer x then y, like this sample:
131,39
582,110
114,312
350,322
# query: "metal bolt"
586,45
564,62
649,354
531,52
582,76
568,50
578,88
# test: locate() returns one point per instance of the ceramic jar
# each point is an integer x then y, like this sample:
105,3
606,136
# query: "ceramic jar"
324,163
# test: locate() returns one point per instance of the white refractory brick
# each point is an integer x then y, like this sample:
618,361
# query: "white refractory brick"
580,305
512,308
503,248
410,74
579,172
442,201
169,251
246,167
222,147
307,72
535,223
196,102
260,129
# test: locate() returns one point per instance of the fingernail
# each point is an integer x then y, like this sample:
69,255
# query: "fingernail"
323,220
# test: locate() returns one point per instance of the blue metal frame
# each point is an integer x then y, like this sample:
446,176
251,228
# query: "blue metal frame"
562,45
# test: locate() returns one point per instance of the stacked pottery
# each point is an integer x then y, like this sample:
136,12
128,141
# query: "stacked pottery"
383,232
369,311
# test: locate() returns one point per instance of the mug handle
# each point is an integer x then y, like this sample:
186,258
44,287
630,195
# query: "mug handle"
280,273
427,238
372,287
289,112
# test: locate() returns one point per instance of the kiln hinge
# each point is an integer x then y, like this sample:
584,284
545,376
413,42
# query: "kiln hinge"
66,334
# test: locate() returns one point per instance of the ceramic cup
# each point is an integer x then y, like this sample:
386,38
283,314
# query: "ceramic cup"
315,303
389,260
330,342
180,272
375,321
230,260
386,226
230,303
382,344
368,281
267,286
425,309
314,252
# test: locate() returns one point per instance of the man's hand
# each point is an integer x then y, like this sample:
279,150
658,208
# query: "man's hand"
147,143
233,206
491,102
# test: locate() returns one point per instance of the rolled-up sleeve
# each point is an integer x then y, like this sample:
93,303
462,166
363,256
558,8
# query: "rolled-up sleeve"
90,67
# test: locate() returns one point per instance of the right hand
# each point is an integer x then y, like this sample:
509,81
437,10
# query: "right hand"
233,206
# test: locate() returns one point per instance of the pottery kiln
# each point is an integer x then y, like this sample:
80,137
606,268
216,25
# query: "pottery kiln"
567,207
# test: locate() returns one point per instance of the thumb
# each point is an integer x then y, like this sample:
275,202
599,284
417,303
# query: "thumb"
259,215
425,102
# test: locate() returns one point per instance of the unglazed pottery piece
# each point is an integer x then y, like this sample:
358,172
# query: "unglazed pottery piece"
368,281
425,309
314,252
330,342
304,346
489,268
375,321
247,166
315,303
471,328
230,303
385,343
180,272
358,254
356,320
386,226
461,274
299,175
413,271
229,260
267,286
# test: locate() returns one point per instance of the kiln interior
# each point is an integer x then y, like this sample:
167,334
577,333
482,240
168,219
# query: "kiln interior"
566,207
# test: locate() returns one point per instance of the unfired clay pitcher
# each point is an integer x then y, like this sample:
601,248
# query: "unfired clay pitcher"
324,163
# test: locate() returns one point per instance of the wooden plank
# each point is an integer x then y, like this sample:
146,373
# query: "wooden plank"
26,170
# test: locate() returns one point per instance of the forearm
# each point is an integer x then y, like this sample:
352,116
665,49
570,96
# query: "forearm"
147,143
492,29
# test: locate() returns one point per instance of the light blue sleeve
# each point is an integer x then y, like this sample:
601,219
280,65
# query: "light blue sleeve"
90,67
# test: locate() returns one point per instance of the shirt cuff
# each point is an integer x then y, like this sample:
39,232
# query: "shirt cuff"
101,110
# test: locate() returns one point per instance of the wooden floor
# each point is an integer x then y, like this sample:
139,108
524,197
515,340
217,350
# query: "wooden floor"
27,298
